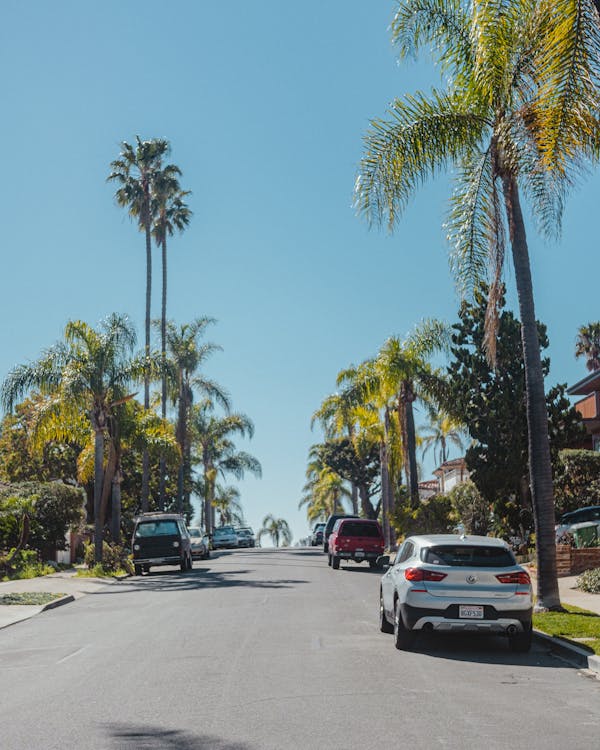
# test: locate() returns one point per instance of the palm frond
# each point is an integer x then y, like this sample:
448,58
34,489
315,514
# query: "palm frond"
421,137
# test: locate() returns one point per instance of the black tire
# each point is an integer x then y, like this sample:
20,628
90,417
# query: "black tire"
183,565
207,555
146,568
384,625
329,560
190,563
137,570
325,547
373,565
335,562
403,638
521,642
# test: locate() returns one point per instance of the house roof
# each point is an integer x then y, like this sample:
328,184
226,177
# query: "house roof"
588,385
455,463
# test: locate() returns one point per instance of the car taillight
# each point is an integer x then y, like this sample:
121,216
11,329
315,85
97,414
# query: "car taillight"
422,574
522,578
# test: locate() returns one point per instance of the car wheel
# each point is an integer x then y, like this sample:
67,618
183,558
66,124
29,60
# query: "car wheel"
329,560
384,625
137,569
325,547
146,568
190,562
373,565
521,642
183,565
403,638
335,562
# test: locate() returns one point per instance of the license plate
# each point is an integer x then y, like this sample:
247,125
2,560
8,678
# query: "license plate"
470,612
359,553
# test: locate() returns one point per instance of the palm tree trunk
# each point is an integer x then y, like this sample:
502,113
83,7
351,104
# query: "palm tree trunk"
354,499
180,436
411,444
163,350
98,482
540,467
385,500
146,458
115,526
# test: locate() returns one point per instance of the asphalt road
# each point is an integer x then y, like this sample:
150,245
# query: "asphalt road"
272,650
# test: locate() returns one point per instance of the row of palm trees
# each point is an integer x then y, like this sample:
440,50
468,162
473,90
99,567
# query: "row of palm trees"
518,116
375,406
151,193
86,382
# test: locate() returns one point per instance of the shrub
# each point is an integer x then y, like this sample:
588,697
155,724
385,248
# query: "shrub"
25,564
114,558
471,510
577,479
589,581
433,516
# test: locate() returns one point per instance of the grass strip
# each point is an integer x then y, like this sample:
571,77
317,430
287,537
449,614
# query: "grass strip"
580,626
37,598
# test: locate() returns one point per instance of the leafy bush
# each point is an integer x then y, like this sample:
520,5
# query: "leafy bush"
589,581
25,564
470,508
433,516
576,479
115,558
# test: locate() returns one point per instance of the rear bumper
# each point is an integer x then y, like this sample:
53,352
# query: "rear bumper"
157,560
359,558
494,621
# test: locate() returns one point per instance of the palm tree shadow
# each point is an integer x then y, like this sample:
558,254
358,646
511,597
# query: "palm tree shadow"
133,737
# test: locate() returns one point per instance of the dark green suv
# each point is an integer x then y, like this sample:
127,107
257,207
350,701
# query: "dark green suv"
160,539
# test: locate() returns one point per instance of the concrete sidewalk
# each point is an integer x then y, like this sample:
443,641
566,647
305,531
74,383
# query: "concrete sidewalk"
569,594
65,582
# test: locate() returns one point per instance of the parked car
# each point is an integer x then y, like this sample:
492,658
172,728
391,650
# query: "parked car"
224,537
316,537
329,527
160,539
449,583
200,543
355,539
245,537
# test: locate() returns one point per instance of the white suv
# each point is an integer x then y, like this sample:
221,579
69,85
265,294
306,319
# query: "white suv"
452,583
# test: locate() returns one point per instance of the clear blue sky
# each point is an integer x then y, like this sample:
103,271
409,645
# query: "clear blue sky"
265,104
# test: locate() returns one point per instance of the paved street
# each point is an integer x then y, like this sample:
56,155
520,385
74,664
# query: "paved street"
266,649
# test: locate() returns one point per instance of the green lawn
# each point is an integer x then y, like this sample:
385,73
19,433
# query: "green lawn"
38,598
577,625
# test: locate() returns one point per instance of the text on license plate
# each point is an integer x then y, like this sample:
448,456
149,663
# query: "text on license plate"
359,553
470,612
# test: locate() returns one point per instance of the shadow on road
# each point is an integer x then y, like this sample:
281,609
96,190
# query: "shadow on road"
198,578
481,649
359,568
131,737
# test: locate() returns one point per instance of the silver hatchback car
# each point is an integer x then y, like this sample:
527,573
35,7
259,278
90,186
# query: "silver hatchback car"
452,583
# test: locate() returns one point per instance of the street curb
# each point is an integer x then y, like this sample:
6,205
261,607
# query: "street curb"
58,602
569,652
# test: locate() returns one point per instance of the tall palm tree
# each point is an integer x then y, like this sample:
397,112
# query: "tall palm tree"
136,171
170,213
324,491
441,432
89,372
402,367
228,506
277,528
185,356
211,435
587,345
519,114
337,416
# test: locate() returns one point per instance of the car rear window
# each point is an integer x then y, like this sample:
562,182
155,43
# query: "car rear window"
468,556
194,532
356,528
157,528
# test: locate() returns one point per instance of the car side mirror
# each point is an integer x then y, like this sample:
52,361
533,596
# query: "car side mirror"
383,561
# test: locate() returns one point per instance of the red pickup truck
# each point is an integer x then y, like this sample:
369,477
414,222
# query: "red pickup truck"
355,539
